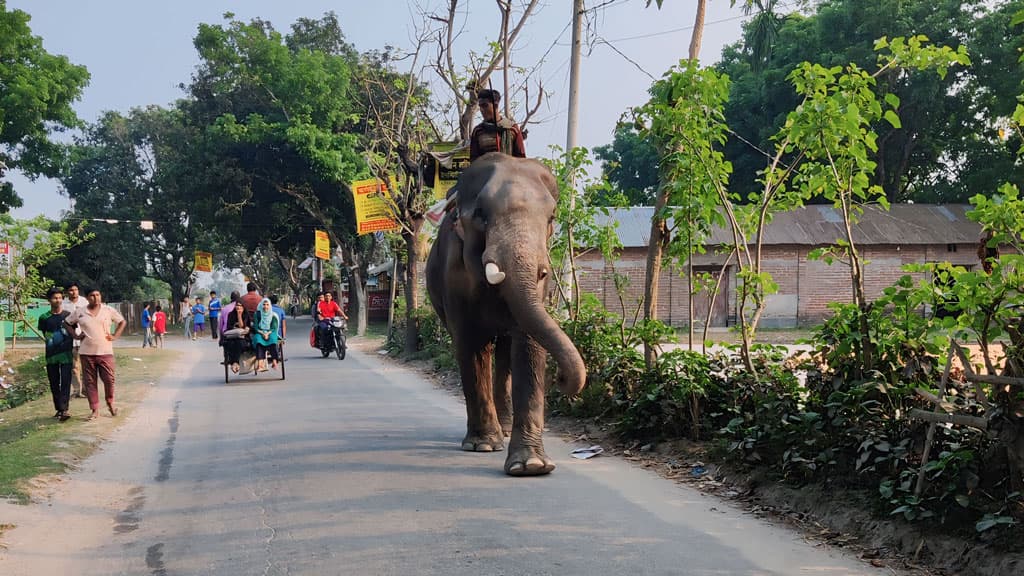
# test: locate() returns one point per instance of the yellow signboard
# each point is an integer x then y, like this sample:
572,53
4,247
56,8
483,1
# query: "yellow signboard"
322,245
446,176
204,262
373,210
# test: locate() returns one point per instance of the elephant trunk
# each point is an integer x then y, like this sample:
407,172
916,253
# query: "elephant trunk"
523,295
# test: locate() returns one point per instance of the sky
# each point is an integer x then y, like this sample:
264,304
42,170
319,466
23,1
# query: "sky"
139,52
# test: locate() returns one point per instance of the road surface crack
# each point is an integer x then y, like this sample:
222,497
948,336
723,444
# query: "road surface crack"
268,543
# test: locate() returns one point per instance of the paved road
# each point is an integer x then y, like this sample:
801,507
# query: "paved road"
354,467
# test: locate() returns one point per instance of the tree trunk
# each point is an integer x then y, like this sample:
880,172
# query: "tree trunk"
698,29
357,296
659,232
659,237
412,328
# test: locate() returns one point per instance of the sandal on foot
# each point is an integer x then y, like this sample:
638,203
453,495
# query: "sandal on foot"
64,416
94,415
113,409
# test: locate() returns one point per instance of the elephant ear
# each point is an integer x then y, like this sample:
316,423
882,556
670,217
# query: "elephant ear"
549,182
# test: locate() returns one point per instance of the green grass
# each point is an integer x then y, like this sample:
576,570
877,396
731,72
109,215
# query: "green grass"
32,443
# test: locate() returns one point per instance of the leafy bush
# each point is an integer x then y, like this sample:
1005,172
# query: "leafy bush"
30,383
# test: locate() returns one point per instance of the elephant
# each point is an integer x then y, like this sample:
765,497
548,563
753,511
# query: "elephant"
487,276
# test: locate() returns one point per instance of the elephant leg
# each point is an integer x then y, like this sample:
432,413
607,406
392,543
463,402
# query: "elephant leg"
526,456
502,383
483,432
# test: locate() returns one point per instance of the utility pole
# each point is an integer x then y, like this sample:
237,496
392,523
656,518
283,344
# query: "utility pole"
568,269
574,74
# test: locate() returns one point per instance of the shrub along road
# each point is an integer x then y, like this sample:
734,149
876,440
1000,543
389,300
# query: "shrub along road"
354,467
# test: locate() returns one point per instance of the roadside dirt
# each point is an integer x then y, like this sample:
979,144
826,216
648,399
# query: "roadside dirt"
825,516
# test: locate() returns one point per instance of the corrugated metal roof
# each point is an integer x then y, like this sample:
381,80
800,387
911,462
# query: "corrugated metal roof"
821,225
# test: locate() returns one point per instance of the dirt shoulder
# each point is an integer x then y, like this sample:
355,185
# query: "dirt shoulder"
824,515
36,449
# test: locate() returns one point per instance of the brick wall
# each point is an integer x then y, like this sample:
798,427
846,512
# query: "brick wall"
805,287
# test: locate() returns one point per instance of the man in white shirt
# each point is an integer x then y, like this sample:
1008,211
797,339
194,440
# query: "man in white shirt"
73,302
97,351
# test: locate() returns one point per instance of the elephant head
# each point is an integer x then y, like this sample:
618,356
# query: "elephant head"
506,216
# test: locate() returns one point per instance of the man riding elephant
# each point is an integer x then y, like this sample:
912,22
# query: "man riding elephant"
487,279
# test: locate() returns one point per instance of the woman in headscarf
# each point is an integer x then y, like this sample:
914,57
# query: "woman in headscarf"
265,336
235,319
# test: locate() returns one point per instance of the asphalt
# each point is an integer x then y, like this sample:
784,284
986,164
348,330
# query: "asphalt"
354,467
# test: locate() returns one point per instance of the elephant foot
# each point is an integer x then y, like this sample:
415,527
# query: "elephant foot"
483,443
527,461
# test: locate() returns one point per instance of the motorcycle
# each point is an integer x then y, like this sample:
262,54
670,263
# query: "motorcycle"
333,339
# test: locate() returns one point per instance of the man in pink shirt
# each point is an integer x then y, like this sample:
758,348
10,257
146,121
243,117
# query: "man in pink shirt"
97,350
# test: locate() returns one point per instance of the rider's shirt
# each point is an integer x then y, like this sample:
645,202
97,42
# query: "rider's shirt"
328,309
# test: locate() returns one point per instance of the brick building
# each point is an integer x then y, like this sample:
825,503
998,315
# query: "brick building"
887,240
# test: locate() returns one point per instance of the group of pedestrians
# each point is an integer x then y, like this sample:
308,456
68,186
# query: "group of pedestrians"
193,315
80,348
254,318
154,325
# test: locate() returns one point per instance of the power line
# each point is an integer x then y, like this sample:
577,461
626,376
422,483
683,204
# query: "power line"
601,40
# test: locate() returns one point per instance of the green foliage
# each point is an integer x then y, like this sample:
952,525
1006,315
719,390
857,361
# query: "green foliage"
36,92
33,244
668,400
577,228
940,118
29,383
630,164
434,342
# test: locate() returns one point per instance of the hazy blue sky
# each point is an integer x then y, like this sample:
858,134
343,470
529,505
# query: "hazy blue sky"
138,52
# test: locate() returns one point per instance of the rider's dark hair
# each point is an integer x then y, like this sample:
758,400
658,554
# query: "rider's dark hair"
52,291
250,287
235,295
488,94
273,299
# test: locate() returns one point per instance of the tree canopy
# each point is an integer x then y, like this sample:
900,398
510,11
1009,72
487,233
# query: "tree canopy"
36,92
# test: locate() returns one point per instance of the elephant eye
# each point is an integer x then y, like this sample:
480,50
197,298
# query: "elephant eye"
479,216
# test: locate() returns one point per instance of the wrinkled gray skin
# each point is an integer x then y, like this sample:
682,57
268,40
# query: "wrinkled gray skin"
506,214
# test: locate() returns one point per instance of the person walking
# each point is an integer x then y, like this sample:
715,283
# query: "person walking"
147,326
59,344
266,325
73,302
214,313
199,318
159,325
97,350
185,315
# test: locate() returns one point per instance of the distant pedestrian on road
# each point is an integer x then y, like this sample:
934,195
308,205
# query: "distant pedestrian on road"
147,326
159,325
199,318
72,303
97,350
59,344
214,313
185,315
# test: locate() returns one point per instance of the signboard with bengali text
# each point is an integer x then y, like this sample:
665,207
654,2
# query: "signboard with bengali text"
322,245
204,262
373,209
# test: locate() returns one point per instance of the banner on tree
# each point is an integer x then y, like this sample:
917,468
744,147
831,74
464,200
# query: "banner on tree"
374,211
204,262
322,245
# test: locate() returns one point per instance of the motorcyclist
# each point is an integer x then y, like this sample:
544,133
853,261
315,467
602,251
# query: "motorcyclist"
326,310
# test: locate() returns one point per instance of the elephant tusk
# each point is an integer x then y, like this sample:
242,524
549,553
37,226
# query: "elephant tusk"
493,273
